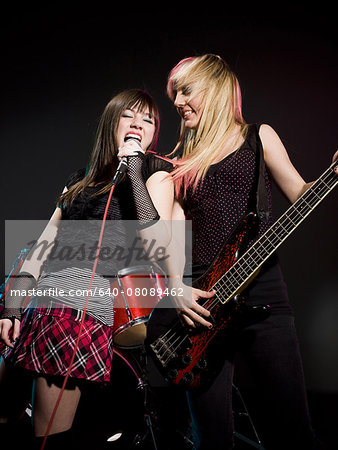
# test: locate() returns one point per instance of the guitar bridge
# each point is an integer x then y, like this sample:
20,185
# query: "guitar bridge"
164,351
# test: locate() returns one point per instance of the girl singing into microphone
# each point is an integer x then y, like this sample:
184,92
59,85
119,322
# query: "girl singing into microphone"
45,333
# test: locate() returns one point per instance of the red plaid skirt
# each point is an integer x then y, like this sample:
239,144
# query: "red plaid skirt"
48,338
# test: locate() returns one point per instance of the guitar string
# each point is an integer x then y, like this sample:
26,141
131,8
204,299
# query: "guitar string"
277,223
211,307
287,218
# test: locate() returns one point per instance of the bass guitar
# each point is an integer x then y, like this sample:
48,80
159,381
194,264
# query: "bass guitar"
189,359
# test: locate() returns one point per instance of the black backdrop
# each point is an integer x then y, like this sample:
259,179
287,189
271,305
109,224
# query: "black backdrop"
60,66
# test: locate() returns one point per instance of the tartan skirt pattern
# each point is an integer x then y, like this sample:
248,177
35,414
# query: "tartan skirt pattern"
48,338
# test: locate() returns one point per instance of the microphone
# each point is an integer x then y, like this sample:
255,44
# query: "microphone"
131,137
123,164
121,169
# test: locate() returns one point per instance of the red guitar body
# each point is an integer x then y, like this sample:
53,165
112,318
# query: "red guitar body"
190,359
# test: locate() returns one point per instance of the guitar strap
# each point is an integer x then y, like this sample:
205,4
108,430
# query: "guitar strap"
262,199
259,198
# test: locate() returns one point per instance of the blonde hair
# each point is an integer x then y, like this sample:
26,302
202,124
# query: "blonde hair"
210,76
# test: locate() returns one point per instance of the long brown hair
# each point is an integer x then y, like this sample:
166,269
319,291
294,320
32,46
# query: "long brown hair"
103,160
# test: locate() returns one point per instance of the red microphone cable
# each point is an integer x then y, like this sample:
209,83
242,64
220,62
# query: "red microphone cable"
122,168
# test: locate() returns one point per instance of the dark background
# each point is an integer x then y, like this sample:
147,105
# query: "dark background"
61,65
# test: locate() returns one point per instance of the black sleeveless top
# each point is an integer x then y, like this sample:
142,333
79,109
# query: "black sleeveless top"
217,205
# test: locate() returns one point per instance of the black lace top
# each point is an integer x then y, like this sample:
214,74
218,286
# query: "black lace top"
90,206
70,263
89,209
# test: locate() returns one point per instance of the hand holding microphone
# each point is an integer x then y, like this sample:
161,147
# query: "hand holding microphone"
131,147
133,155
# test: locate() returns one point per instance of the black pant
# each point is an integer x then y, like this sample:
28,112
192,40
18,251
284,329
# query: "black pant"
271,352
